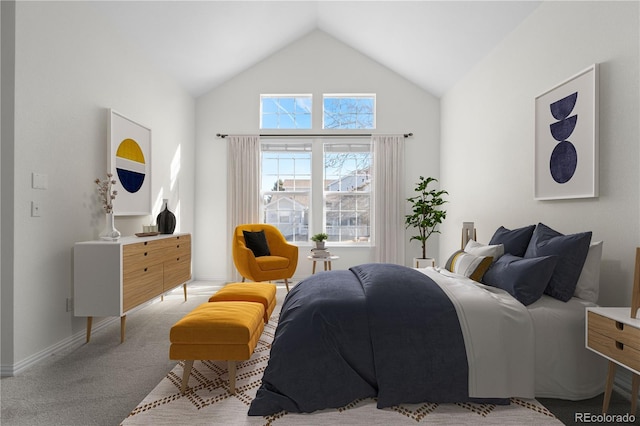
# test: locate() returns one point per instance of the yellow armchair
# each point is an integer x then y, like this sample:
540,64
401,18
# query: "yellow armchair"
280,264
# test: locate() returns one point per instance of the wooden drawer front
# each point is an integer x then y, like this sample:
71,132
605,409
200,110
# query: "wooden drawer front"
620,332
141,254
613,349
175,247
176,272
140,285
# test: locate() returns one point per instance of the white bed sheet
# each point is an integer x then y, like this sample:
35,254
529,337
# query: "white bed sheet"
565,368
556,356
498,333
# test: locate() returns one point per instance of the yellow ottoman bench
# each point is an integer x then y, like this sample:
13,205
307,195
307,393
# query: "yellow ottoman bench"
217,331
260,292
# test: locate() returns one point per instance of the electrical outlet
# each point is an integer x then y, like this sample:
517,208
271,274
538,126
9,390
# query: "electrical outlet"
69,304
36,210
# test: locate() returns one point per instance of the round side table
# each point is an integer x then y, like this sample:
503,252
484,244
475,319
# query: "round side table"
327,262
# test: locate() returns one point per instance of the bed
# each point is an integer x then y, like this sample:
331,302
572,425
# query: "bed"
408,335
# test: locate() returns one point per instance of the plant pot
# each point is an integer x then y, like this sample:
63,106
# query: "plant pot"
320,245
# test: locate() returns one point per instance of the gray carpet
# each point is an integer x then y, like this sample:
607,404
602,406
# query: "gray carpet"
101,382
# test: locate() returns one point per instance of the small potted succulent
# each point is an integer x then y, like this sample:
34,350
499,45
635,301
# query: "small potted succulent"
319,239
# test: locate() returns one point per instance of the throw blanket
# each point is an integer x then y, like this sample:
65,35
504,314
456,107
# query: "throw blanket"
376,330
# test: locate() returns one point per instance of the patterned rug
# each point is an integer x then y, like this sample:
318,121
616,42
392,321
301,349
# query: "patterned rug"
208,402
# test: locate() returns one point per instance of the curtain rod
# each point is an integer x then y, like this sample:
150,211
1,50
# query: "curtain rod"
314,135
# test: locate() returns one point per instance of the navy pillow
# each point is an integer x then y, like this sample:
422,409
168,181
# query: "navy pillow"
524,279
515,241
571,250
257,242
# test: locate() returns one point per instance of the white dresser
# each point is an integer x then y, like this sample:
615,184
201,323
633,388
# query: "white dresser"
113,277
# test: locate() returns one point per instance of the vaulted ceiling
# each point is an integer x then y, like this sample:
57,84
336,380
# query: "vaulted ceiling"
204,43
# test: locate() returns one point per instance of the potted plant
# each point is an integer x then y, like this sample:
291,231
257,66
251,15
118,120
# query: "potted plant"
319,239
425,212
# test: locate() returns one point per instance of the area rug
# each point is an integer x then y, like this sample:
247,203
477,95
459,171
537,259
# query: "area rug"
208,402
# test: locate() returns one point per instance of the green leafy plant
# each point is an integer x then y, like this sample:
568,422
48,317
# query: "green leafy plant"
425,212
319,237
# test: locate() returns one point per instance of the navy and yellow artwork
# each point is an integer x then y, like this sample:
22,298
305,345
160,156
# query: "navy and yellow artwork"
130,165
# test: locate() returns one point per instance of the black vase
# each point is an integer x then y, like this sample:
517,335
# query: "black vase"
166,221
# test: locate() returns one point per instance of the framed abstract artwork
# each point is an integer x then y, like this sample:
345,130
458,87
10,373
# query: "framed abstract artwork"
566,139
129,160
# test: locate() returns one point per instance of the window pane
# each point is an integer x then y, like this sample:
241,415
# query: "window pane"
289,213
286,188
349,112
347,172
285,111
348,217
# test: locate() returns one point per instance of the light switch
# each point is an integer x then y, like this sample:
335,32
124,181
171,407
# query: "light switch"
39,181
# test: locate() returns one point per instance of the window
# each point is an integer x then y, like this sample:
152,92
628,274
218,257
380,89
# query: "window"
349,112
285,111
336,174
286,188
347,192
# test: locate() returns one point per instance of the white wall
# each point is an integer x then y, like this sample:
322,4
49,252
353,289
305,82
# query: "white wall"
317,64
70,67
488,124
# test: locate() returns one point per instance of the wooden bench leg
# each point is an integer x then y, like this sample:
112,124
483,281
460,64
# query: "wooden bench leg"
188,364
232,376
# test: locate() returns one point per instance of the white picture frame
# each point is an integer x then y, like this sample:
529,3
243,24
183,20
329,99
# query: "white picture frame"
566,139
129,160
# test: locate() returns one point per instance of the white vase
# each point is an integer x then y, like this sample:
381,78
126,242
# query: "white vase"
110,232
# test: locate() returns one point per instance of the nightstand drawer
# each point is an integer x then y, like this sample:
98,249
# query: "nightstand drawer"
615,350
615,330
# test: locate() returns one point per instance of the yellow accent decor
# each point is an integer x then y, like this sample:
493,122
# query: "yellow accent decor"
130,150
222,331
281,264
263,293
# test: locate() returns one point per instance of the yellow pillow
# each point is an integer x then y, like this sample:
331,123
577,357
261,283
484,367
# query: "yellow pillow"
469,265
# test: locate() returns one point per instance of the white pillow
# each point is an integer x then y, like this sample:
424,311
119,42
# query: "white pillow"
588,287
477,249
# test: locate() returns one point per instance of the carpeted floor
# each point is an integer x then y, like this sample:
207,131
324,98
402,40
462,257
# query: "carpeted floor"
208,401
102,382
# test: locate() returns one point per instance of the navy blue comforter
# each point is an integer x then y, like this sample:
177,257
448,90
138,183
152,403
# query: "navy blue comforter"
376,330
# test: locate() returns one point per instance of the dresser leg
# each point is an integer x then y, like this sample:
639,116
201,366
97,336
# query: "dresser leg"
609,386
123,320
184,286
635,381
89,321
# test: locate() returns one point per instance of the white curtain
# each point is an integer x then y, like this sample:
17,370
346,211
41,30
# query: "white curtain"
388,156
243,188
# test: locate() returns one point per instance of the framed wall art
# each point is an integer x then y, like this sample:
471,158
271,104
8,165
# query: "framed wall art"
566,139
129,160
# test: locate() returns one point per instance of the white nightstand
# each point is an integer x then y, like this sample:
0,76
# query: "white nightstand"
613,334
